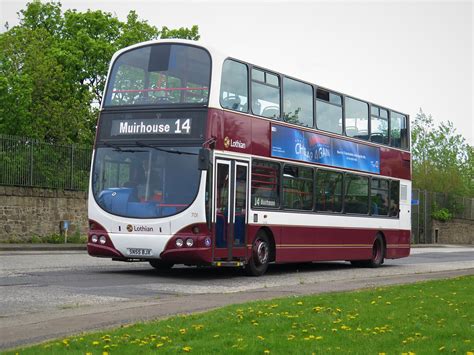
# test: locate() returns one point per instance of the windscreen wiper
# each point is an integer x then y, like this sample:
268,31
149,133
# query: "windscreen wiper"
117,148
142,144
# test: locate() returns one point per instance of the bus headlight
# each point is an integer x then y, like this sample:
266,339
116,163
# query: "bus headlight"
94,238
102,240
179,242
189,242
207,242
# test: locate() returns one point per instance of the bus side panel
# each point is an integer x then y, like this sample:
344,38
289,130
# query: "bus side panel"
398,244
301,243
395,163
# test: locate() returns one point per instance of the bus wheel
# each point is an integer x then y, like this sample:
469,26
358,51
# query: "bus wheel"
258,263
161,265
378,254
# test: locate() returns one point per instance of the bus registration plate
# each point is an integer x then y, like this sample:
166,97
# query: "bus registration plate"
139,252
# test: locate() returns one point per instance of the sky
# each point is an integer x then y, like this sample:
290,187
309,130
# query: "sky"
404,55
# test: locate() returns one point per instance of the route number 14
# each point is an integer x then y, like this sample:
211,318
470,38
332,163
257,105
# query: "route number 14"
183,127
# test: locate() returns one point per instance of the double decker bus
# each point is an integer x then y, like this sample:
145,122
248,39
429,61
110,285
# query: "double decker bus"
205,159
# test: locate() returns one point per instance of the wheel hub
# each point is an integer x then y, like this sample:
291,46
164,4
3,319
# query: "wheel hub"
261,252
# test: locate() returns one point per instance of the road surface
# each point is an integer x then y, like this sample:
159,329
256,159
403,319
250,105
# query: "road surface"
48,294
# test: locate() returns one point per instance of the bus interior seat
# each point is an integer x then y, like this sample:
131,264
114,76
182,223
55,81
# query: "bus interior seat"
232,102
271,111
377,138
362,135
352,131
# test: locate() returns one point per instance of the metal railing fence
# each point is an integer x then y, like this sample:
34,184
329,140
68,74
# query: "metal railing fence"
29,162
427,203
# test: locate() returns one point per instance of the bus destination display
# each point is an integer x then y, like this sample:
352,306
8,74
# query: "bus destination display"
151,126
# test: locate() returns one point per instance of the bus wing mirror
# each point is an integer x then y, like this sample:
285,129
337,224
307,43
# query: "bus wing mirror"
204,157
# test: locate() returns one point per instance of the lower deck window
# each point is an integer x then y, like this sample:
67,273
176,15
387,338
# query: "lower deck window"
297,187
356,194
328,191
265,184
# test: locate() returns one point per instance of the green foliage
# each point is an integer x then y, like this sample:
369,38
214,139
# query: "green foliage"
442,215
53,67
442,160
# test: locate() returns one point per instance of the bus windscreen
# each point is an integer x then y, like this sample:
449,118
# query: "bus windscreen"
160,74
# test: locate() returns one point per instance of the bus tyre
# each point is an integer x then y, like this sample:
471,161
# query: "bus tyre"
260,255
378,254
161,265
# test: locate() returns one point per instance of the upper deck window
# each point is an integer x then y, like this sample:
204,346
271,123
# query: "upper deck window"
265,94
234,86
160,74
297,102
379,125
328,111
357,118
398,130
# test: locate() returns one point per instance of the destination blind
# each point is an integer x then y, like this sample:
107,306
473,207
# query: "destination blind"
166,125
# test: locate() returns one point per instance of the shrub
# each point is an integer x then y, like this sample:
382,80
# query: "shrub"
442,215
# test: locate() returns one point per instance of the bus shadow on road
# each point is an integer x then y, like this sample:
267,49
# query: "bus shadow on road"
206,272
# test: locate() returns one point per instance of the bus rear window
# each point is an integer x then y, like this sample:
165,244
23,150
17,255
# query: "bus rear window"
160,74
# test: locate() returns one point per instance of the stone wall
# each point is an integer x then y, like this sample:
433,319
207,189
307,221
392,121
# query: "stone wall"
27,212
456,231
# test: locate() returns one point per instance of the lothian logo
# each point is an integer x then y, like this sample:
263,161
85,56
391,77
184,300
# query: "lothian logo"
234,143
131,228
226,142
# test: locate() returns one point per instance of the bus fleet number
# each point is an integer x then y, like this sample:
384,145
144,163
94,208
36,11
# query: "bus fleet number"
182,127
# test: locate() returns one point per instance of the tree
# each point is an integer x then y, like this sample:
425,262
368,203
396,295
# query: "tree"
53,67
442,160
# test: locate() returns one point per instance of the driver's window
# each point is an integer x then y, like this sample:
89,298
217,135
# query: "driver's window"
234,86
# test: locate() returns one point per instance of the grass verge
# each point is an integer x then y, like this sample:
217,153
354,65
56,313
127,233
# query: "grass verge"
432,317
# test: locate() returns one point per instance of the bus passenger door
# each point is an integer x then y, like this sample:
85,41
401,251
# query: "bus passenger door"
230,216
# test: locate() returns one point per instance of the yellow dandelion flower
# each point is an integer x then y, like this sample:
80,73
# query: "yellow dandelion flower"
260,337
441,348
88,353
319,337
187,349
389,303
373,302
469,353
299,303
95,342
382,354
266,351
216,335
159,345
105,353
182,331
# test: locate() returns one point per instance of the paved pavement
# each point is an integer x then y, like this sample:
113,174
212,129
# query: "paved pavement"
47,294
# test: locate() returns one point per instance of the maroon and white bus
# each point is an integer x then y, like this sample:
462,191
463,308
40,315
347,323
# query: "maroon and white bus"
204,159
